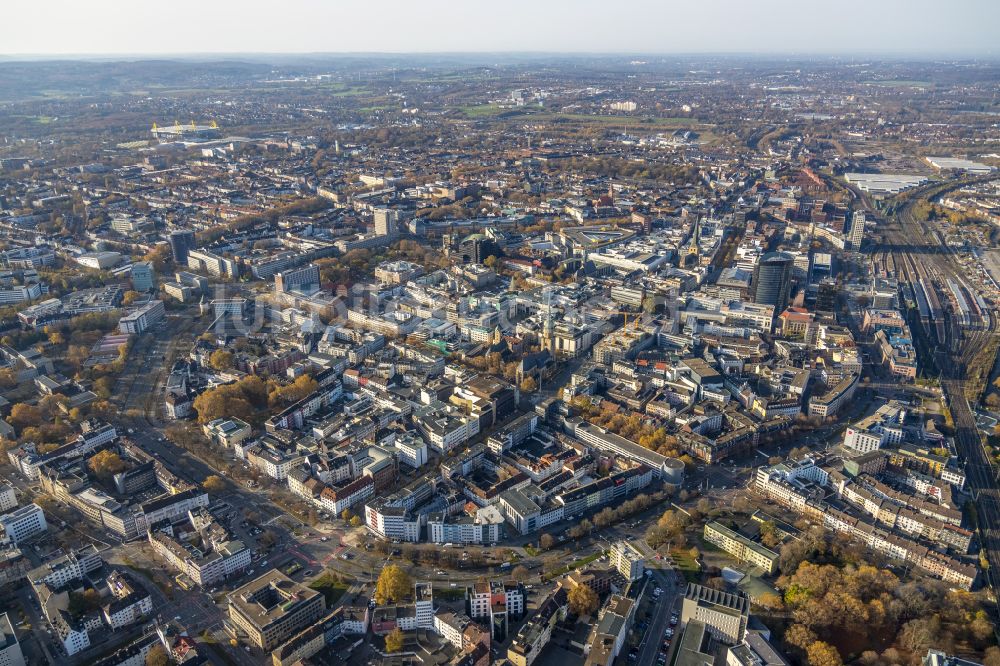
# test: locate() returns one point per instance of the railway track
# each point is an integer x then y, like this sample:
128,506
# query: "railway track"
922,257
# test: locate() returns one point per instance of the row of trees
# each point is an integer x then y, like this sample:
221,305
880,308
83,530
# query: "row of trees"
927,211
434,556
609,516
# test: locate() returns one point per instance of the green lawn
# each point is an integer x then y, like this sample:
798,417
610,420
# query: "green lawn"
709,547
630,121
482,110
331,588
575,564
686,565
41,120
451,593
350,91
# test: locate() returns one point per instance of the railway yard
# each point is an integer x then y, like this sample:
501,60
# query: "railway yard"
957,319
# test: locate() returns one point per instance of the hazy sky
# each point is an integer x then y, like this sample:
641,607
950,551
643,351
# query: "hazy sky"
634,26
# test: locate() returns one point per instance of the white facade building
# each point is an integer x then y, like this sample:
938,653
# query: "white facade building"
139,321
627,560
863,441
411,451
391,522
22,524
10,649
8,498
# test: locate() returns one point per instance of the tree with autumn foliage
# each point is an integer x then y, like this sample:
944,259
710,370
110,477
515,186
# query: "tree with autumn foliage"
213,484
820,653
582,600
106,464
280,396
243,399
394,640
393,585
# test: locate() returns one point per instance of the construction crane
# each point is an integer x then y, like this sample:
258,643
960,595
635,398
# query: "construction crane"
636,316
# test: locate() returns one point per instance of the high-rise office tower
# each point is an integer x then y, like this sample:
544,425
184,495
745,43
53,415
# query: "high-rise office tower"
181,242
143,276
826,296
385,221
857,231
772,280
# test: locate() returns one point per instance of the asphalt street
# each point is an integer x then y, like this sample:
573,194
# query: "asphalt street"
653,638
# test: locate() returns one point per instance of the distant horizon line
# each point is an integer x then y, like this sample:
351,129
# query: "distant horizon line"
915,56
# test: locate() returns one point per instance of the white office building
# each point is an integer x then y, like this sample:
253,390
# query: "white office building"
411,450
139,321
862,441
10,649
8,499
21,524
627,560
